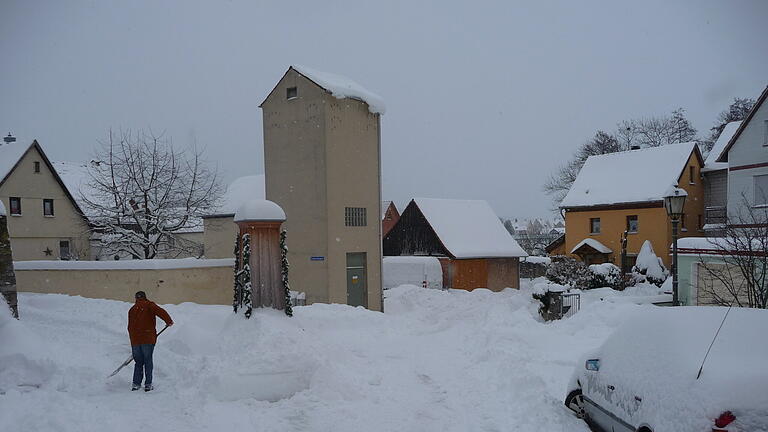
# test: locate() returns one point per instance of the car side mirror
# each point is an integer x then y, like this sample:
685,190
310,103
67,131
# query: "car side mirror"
592,364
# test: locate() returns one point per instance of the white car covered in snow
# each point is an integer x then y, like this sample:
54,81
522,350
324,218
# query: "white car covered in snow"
648,375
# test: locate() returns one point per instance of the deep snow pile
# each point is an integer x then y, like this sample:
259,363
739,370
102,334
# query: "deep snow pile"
435,361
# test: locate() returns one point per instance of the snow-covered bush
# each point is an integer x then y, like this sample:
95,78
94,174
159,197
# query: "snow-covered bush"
606,275
571,272
547,294
649,267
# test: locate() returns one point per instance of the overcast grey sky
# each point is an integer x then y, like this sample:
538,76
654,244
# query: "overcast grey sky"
483,100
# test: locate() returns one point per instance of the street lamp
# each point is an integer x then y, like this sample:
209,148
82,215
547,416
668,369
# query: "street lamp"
674,201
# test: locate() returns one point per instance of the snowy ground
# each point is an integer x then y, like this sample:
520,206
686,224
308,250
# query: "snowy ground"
435,361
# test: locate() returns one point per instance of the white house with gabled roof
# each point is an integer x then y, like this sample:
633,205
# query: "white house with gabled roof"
746,154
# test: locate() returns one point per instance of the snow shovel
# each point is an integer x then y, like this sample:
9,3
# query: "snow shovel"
130,359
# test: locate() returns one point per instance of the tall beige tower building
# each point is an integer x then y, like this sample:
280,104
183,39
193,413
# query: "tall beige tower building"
322,152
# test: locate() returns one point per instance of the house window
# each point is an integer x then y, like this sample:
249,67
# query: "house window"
765,133
632,224
15,206
37,167
594,226
47,207
691,174
291,92
64,250
761,190
355,216
683,217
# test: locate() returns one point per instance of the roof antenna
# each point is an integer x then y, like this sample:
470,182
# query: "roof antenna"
713,340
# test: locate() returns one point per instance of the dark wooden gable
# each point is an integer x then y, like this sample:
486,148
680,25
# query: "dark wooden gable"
413,235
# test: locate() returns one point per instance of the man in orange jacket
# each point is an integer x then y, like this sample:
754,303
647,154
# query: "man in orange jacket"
141,329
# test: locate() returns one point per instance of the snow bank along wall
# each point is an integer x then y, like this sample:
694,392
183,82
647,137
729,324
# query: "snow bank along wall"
172,281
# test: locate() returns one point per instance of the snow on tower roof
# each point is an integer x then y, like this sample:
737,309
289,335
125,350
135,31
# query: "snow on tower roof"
711,163
594,244
469,228
629,177
342,87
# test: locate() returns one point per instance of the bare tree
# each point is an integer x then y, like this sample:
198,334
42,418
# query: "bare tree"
737,110
740,276
144,194
558,184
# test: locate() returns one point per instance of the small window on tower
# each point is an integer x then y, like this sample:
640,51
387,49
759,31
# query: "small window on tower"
291,93
37,167
355,216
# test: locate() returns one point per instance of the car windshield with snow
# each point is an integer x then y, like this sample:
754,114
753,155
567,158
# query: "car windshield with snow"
658,373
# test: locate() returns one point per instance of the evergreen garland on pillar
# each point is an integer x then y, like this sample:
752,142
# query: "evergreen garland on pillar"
247,285
238,274
284,271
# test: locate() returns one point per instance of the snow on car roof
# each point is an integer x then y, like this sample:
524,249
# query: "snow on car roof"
657,353
342,87
628,177
469,228
711,163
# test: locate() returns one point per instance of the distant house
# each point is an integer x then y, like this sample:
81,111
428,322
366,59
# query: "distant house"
746,155
474,248
623,191
556,247
715,176
389,216
45,221
219,228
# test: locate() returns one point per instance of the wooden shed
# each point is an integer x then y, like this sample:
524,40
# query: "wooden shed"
474,248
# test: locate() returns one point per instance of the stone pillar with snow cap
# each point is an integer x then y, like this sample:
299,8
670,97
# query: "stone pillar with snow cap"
261,220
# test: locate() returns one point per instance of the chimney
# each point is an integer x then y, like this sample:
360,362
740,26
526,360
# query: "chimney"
635,147
9,139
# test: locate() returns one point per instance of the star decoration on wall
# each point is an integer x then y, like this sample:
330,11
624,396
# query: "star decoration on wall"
48,252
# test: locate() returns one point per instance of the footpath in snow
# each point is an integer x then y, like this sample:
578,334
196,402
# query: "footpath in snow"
435,361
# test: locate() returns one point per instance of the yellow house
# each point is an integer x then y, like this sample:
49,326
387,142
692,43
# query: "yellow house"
623,192
44,220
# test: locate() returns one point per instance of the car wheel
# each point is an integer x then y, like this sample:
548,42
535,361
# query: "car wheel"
575,402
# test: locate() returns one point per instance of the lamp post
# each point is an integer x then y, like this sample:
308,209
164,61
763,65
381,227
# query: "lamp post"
674,201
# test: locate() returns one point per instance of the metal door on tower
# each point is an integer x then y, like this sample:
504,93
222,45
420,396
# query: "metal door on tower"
357,287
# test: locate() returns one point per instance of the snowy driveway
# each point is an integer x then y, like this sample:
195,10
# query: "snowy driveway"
435,361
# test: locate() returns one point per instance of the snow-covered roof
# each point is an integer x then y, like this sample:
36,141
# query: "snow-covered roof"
594,244
469,228
711,163
77,180
628,177
241,190
10,154
259,210
342,87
